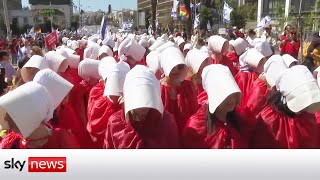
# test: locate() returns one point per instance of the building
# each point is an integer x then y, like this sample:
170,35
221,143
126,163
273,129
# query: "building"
11,5
267,7
164,8
64,6
23,18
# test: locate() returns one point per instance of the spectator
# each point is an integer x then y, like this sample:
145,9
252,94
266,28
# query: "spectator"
291,44
270,37
238,33
251,37
9,69
36,50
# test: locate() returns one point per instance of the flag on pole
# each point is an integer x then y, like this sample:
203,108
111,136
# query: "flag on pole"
208,26
32,33
103,29
196,22
226,12
157,22
264,22
174,8
184,12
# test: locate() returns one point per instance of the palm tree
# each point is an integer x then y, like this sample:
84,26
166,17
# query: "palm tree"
153,14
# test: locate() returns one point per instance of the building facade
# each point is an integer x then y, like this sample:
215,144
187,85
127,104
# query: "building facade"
64,6
164,8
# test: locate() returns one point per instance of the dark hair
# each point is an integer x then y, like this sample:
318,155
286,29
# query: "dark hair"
3,53
23,61
211,118
251,31
275,100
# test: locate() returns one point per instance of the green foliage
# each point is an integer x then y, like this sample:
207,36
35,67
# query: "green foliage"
238,18
279,14
206,14
311,20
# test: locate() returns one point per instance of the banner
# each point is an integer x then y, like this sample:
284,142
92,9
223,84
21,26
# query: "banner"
51,40
196,22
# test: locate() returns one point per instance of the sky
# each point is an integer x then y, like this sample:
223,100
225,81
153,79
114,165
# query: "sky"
93,5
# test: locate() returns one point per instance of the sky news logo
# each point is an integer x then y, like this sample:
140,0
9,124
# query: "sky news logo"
38,164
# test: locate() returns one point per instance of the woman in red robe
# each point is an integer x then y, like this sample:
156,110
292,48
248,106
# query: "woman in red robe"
178,95
197,60
88,71
29,120
219,47
142,123
101,107
252,63
216,124
236,49
131,52
65,116
288,120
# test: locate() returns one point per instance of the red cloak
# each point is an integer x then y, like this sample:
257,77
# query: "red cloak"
245,82
184,103
226,61
99,110
276,130
156,132
59,139
225,135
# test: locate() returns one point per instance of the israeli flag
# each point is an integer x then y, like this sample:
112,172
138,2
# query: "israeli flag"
104,29
196,22
32,33
264,22
226,12
174,8
209,26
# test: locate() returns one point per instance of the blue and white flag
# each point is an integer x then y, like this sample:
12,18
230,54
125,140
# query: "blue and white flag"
32,33
226,12
209,26
264,22
174,8
196,23
104,28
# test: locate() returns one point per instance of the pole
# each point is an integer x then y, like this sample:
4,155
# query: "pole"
80,15
6,17
195,11
51,17
301,30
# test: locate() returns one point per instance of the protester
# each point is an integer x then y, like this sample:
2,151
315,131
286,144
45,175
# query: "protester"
178,95
288,120
215,125
9,69
270,37
219,46
143,122
251,37
29,121
36,50
290,45
197,60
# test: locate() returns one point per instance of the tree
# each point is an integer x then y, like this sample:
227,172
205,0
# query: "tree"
311,20
206,14
153,14
238,18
